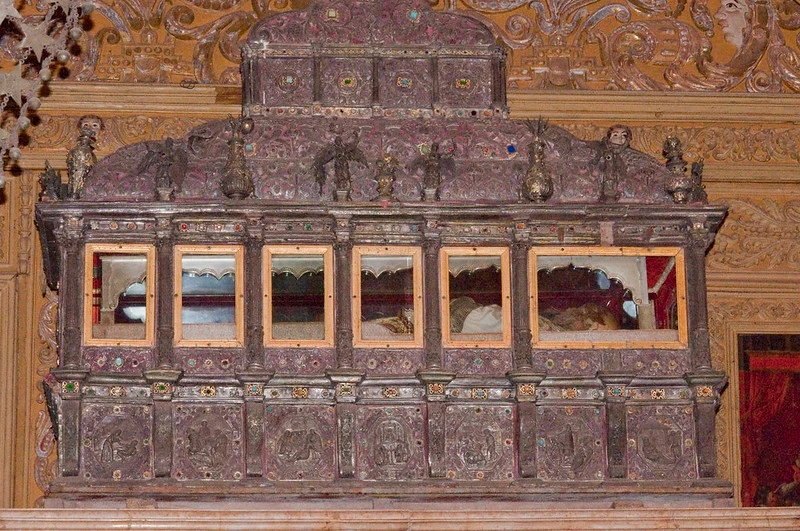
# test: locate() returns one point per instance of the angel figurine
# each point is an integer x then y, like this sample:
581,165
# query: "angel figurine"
342,154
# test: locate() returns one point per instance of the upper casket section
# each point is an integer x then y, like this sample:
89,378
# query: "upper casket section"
390,58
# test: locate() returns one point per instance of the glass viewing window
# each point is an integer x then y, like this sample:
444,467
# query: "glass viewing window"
608,296
387,295
118,294
476,300
209,309
298,295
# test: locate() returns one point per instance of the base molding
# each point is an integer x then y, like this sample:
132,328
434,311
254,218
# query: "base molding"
440,516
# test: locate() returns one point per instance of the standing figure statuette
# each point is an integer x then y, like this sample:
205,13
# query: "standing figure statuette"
342,154
81,159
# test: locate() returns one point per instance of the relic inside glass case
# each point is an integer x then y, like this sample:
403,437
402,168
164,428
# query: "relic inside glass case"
209,308
477,308
118,302
608,296
299,293
388,296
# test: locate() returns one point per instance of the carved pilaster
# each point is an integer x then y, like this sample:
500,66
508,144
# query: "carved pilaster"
253,289
346,382
700,240
165,326
162,385
707,386
342,263
435,384
526,382
433,317
70,239
520,303
616,421
69,430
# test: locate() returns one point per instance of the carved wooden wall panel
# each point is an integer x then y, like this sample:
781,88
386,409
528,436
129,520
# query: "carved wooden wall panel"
640,45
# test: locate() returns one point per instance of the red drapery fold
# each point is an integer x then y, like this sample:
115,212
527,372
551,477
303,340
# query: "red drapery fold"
761,396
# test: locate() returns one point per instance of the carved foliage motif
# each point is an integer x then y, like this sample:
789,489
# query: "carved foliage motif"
300,443
390,443
660,443
208,442
479,442
596,44
116,442
569,443
757,236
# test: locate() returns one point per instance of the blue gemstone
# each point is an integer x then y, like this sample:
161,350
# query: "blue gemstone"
512,148
413,14
118,362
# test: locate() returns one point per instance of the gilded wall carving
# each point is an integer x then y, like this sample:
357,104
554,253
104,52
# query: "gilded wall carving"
758,235
735,45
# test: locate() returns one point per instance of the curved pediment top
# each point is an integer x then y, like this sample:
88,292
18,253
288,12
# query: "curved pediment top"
488,161
375,23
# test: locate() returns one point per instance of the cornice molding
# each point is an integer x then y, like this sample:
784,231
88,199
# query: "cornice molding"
567,106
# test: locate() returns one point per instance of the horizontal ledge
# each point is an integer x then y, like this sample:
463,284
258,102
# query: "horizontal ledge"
569,106
660,107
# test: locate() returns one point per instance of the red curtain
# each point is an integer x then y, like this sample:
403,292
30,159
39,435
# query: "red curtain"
761,396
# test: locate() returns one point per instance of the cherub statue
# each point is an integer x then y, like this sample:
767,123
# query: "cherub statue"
617,139
81,159
342,154
433,161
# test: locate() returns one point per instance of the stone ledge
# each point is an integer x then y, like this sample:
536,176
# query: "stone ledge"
444,517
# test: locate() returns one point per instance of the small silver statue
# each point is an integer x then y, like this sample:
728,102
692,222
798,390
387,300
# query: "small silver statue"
387,166
50,181
433,162
342,154
81,158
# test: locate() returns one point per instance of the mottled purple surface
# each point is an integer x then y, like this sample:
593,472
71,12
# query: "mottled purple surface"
118,360
490,156
661,442
356,22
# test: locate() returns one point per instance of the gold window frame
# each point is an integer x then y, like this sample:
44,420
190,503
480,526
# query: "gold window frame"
326,252
616,339
416,261
238,254
505,293
88,288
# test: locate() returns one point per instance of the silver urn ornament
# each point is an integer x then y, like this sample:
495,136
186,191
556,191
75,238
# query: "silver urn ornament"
679,182
538,183
237,181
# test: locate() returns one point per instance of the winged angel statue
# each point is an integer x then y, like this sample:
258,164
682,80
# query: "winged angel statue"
342,154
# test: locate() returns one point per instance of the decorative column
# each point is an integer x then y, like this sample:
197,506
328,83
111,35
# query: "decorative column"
520,302
344,377
616,421
163,378
433,310
70,308
255,376
69,373
526,382
700,239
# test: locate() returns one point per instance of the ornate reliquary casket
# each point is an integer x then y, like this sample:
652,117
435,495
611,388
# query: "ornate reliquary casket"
375,283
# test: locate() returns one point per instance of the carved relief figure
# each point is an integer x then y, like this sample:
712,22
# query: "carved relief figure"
433,161
117,447
733,16
300,445
661,442
208,447
391,444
